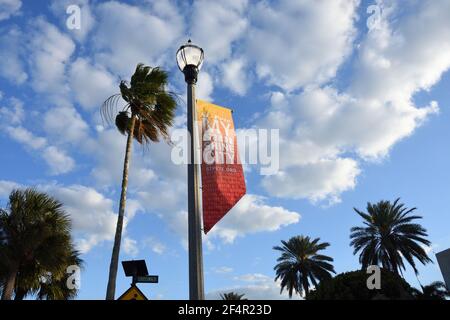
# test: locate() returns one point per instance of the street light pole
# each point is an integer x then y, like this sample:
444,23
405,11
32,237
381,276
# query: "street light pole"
190,58
196,290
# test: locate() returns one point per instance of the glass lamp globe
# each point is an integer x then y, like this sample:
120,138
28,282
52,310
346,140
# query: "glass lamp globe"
190,55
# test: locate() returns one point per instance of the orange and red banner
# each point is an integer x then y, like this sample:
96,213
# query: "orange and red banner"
223,183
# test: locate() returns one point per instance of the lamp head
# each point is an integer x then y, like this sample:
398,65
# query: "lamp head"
190,60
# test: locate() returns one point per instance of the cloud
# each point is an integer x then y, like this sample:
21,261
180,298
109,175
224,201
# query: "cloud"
87,21
227,18
254,287
6,187
404,54
224,18
234,76
250,215
25,137
297,43
321,180
160,187
309,153
109,153
12,67
167,203
92,215
205,86
9,8
222,270
13,113
166,197
158,31
58,161
130,247
108,150
91,84
155,245
50,51
326,133
348,118
65,125
253,277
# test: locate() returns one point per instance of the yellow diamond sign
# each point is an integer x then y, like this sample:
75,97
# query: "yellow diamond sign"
133,293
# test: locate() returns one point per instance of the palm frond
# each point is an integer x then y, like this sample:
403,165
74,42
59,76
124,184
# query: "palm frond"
36,237
148,101
109,108
389,237
123,122
299,264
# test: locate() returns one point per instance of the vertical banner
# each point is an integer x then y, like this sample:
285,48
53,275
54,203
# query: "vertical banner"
223,181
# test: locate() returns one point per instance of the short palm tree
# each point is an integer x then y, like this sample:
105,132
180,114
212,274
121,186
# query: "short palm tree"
34,238
300,264
434,291
45,285
232,296
389,236
147,115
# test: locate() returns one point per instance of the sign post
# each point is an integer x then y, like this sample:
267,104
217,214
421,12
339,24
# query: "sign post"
146,279
133,293
137,269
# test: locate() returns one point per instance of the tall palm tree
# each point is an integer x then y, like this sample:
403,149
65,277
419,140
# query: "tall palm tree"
389,236
147,115
232,296
300,264
434,291
34,236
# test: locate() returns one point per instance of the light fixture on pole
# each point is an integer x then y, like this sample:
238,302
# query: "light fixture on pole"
190,60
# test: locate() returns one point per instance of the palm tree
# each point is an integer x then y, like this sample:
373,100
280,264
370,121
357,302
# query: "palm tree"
300,264
434,291
389,236
232,296
34,280
34,237
147,116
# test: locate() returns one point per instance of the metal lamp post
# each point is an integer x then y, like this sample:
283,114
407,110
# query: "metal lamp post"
190,60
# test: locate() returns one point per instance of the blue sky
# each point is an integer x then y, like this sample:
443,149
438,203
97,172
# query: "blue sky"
363,115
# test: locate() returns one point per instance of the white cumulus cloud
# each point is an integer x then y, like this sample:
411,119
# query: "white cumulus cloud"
117,26
326,132
254,287
91,84
252,214
130,247
9,8
296,43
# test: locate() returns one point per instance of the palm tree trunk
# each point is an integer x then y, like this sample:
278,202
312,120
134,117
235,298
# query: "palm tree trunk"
10,283
111,290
